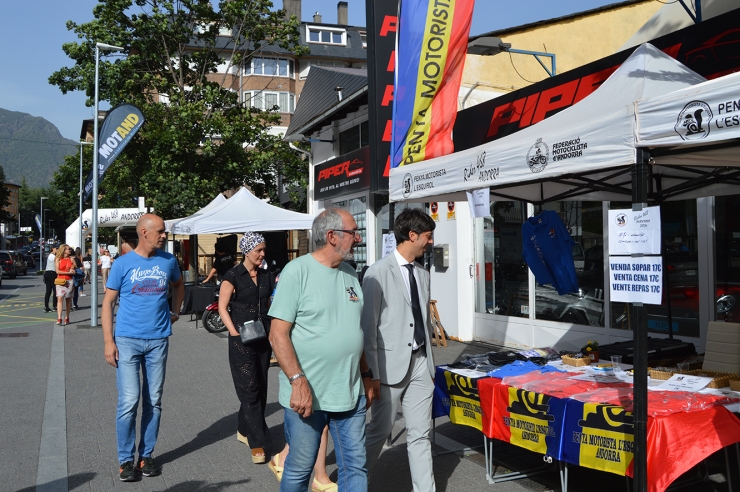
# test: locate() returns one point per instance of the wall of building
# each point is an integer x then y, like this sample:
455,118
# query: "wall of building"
575,42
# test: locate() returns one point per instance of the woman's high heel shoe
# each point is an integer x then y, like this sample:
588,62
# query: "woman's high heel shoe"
259,456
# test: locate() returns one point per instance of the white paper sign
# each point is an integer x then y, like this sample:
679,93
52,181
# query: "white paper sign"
636,279
634,232
682,382
389,244
479,202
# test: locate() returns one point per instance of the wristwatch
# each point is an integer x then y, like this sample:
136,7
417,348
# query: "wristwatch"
367,374
296,376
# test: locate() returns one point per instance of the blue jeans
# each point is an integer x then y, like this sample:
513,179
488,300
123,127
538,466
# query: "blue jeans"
304,435
151,357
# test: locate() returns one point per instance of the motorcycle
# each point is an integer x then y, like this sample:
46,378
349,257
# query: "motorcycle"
211,318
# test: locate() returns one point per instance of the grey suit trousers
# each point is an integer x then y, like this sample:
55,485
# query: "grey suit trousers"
414,394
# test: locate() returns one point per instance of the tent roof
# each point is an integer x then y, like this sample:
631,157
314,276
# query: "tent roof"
580,153
220,198
242,212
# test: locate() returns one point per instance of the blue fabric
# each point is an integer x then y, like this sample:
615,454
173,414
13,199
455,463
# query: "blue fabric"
149,357
548,250
519,367
143,284
304,435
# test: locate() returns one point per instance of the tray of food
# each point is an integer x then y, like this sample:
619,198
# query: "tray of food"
576,359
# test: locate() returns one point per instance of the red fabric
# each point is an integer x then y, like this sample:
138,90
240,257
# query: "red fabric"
679,441
64,265
501,396
485,393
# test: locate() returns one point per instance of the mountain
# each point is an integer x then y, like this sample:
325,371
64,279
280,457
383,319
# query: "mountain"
31,146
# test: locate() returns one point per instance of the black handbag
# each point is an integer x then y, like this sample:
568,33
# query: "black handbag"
253,331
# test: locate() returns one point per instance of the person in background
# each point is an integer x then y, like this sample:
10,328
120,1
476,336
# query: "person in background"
78,278
105,263
50,274
65,268
138,349
397,326
87,264
222,263
247,289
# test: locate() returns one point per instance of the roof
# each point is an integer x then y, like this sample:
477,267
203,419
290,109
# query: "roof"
554,20
353,50
319,101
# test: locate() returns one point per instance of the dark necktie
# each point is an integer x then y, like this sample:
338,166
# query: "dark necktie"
419,337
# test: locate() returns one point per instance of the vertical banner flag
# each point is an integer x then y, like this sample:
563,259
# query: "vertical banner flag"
430,55
117,130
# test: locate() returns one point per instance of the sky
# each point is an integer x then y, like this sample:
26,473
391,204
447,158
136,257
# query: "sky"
34,31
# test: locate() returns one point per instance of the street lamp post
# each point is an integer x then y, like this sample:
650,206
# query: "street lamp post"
96,175
42,220
80,219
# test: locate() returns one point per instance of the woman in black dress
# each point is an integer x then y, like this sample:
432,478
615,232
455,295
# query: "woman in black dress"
249,362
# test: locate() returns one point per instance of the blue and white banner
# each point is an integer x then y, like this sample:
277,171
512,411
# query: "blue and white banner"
119,127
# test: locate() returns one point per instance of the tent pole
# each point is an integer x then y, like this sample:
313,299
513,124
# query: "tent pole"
640,183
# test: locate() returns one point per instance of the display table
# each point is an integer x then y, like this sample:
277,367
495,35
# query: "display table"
600,436
197,298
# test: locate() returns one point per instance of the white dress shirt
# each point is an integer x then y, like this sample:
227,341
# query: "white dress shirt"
405,275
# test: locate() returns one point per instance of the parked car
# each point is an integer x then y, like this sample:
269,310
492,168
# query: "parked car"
29,260
9,266
20,262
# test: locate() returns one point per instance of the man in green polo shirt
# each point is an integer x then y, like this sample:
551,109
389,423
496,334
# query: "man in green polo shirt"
317,339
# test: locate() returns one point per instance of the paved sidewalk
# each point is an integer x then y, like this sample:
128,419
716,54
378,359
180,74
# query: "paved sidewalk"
197,448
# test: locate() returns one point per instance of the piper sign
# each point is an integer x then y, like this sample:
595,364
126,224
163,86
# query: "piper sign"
119,127
430,56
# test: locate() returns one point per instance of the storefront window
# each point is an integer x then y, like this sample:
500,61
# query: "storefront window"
727,258
584,222
679,309
505,273
357,208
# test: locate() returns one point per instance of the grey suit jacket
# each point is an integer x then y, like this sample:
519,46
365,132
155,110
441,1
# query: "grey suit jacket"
388,322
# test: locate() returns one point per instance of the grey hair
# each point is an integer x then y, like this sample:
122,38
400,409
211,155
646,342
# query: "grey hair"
328,220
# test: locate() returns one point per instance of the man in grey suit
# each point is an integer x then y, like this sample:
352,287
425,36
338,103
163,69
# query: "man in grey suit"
398,352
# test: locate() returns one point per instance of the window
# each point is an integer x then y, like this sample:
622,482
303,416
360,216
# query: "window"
326,35
363,38
727,258
267,100
353,138
273,67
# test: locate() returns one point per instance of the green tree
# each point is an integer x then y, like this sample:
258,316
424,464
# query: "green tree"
4,199
193,146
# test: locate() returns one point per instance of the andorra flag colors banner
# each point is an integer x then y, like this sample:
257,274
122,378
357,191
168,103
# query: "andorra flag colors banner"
530,420
430,55
119,127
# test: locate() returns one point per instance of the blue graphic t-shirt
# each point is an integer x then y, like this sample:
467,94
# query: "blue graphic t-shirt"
143,284
548,250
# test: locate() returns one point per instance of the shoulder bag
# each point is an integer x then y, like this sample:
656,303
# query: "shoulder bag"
60,281
253,331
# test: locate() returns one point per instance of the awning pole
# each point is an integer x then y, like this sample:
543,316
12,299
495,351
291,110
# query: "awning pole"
640,184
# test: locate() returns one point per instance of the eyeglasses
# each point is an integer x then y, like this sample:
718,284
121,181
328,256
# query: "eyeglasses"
353,232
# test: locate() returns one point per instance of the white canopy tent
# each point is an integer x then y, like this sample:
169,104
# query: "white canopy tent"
213,204
581,153
242,212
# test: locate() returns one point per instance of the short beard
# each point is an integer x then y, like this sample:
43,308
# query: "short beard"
346,255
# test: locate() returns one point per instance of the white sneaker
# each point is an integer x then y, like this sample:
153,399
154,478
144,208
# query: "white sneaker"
82,294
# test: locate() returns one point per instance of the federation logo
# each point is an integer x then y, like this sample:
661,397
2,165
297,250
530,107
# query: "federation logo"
621,220
407,185
538,156
694,121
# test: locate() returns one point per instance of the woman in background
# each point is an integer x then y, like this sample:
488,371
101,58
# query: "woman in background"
65,268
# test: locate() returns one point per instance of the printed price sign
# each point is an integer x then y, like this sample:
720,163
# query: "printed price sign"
636,279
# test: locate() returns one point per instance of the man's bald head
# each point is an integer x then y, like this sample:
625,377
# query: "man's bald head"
151,231
147,221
